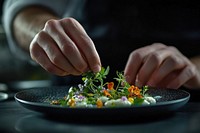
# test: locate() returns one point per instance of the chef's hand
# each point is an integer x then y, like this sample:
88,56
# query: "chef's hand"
63,47
159,65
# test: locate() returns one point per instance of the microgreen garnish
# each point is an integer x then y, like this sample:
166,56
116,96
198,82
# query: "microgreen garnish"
95,92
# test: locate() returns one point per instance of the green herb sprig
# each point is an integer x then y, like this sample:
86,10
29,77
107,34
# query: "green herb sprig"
95,81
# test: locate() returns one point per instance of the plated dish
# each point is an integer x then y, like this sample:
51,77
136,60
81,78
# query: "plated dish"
40,100
37,99
94,92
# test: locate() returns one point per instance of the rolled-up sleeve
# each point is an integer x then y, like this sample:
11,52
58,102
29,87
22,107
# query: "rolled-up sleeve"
10,10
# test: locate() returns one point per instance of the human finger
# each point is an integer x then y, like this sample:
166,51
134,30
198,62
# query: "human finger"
173,62
187,73
66,45
169,65
152,63
39,56
136,60
54,54
84,43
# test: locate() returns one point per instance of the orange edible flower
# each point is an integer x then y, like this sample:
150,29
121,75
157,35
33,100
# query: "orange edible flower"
140,96
110,85
99,103
134,90
106,93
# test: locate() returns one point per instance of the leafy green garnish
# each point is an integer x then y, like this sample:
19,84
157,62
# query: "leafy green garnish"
94,87
95,81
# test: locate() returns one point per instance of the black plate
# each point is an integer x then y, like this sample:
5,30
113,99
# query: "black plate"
38,99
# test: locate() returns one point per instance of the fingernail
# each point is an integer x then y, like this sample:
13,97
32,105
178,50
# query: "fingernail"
96,68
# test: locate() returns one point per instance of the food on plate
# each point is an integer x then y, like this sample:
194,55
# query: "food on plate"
95,92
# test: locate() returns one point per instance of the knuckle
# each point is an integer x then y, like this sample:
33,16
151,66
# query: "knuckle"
86,41
136,55
51,26
50,23
172,48
56,59
40,36
159,44
68,48
64,41
70,20
175,62
155,57
71,24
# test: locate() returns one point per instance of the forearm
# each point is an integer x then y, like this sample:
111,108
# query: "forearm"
28,23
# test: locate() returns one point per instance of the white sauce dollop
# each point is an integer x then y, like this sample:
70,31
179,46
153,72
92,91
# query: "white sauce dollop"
117,102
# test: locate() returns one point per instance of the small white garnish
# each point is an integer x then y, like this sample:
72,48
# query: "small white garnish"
103,99
157,97
145,102
81,104
70,89
117,102
151,100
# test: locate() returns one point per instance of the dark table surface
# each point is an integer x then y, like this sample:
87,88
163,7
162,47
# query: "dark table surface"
16,119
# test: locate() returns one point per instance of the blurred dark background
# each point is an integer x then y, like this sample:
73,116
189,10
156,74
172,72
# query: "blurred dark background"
12,69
